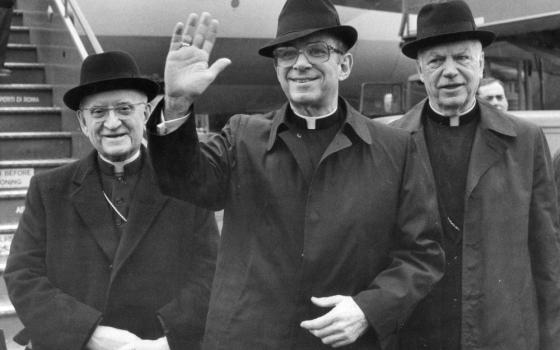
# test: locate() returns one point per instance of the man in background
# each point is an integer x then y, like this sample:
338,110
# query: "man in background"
492,91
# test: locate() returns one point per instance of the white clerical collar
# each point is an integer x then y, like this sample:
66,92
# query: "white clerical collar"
119,166
453,121
311,122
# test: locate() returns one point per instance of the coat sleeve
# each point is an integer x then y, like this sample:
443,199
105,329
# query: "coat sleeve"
52,318
184,318
190,170
544,246
417,259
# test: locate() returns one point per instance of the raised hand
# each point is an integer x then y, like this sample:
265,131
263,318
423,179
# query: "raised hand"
187,71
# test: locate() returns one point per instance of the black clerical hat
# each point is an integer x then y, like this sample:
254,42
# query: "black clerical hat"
300,18
111,70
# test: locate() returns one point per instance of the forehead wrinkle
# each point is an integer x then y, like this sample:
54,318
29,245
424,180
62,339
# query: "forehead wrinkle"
114,97
313,38
473,47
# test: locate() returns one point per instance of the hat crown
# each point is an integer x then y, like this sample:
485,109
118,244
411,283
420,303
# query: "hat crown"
112,70
300,15
444,18
445,22
107,66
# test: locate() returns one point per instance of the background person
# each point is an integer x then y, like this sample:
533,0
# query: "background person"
501,288
101,259
492,91
330,225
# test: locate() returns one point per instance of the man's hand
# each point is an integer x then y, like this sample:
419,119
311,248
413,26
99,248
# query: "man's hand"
340,326
110,338
187,73
158,344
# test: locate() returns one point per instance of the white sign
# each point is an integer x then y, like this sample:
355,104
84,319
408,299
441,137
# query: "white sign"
15,177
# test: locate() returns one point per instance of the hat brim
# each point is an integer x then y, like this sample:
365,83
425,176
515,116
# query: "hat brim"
347,34
74,96
410,49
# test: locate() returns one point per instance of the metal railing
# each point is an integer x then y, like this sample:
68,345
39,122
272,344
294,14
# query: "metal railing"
72,15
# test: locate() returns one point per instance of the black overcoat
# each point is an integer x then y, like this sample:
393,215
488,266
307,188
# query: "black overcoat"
365,224
67,271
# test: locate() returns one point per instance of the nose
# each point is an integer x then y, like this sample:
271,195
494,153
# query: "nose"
449,68
112,121
301,62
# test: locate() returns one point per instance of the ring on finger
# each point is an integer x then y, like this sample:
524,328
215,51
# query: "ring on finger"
184,44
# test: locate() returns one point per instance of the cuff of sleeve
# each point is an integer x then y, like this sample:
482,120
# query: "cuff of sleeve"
382,321
165,127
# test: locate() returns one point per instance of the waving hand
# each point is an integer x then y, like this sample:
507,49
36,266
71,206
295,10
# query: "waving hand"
187,71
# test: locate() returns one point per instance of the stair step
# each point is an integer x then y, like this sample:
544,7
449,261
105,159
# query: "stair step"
17,18
26,95
16,174
33,5
6,307
7,229
35,145
14,119
39,35
12,204
24,73
21,53
6,236
38,165
37,18
20,34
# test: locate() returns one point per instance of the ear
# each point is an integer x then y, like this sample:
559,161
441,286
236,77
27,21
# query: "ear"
419,70
147,112
345,66
82,121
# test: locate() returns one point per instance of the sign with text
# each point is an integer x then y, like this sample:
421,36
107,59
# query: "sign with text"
15,177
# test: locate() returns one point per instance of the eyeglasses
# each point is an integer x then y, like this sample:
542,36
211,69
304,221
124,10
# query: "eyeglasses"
122,110
315,52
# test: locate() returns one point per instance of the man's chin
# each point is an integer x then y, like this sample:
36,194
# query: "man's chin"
116,155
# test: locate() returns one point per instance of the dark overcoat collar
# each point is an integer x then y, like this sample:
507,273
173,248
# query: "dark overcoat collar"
87,198
490,119
493,135
354,120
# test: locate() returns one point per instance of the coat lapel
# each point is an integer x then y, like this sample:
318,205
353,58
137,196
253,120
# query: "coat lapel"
91,207
356,122
412,121
147,202
489,145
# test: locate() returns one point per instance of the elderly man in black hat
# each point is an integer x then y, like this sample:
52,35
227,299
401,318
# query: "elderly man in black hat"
330,226
501,288
101,258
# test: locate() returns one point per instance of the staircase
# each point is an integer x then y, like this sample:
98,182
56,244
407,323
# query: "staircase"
36,131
